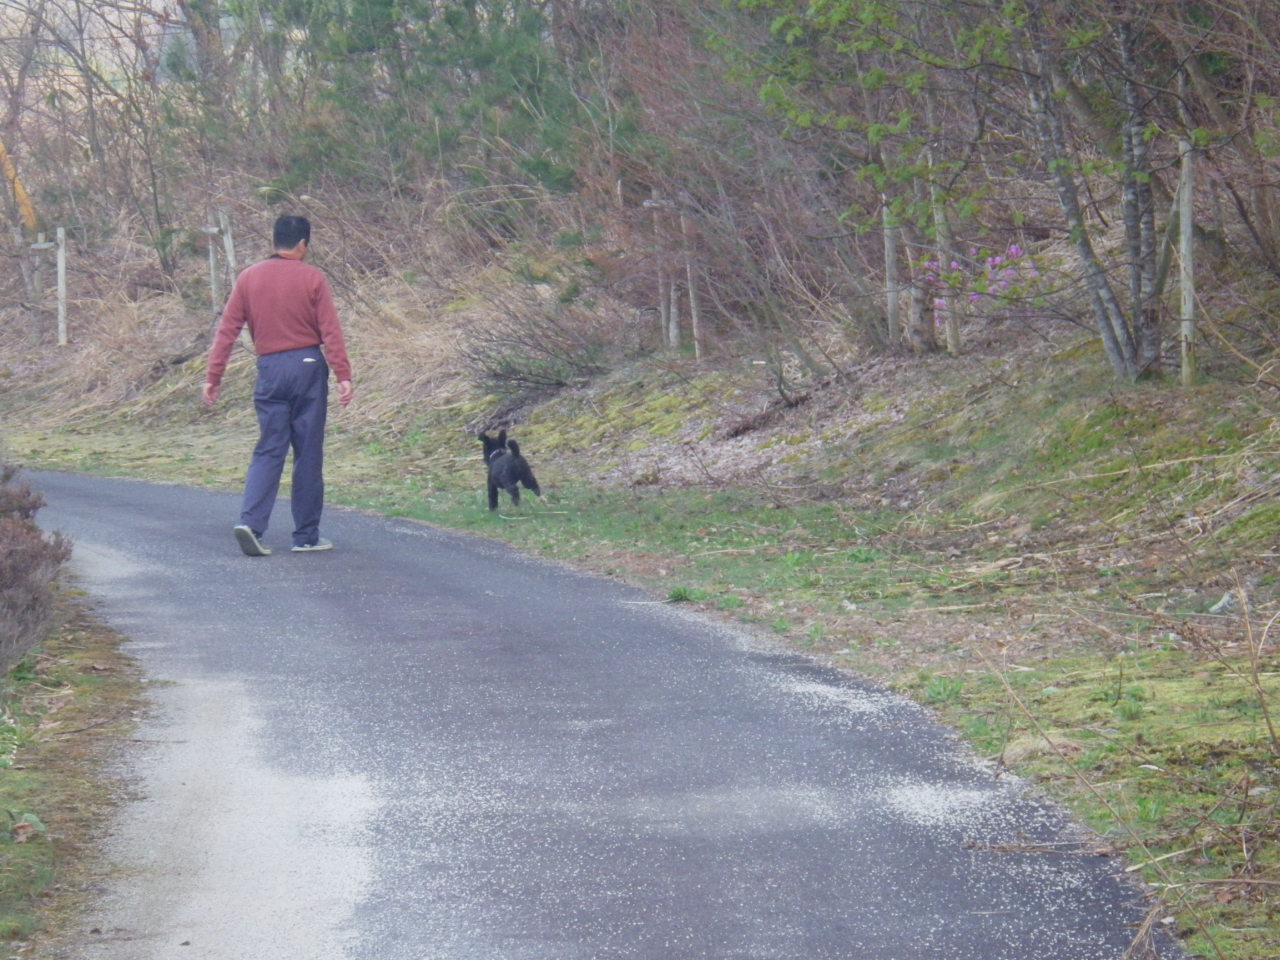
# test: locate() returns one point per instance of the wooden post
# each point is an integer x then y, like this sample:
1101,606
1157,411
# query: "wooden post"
1186,258
890,271
673,316
229,251
62,286
37,285
695,307
945,253
215,295
38,272
228,244
668,314
23,255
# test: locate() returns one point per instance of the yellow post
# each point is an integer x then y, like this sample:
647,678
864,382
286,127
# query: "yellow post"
25,208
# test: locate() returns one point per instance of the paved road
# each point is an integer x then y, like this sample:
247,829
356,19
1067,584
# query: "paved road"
424,746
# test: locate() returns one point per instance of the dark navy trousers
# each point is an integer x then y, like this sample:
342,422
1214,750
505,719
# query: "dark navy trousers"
291,396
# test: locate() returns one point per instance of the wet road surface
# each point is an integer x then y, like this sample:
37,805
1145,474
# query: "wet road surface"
426,746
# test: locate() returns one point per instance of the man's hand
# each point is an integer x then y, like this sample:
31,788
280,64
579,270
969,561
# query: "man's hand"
210,394
346,392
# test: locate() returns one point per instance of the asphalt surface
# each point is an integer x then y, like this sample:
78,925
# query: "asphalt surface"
426,746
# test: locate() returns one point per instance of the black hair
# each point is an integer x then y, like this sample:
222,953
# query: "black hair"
289,231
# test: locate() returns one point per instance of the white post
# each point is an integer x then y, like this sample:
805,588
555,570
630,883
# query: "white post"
1186,257
942,227
62,286
37,282
673,317
890,271
695,307
215,295
229,248
228,244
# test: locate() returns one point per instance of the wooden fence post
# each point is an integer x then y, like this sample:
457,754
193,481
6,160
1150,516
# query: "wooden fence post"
62,285
691,277
223,229
37,285
37,271
215,294
228,245
1186,258
891,288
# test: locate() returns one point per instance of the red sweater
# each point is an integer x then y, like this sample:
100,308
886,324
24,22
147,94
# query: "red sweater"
287,305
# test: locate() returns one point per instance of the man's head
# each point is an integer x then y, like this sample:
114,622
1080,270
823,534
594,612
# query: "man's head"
291,231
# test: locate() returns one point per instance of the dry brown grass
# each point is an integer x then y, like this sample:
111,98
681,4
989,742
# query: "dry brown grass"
404,347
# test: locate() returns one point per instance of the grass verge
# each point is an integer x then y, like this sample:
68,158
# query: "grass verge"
1169,753
63,711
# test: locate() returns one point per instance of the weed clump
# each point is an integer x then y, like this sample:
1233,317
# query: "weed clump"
29,562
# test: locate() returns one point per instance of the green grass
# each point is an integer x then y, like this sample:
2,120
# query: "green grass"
58,709
26,861
1163,752
727,541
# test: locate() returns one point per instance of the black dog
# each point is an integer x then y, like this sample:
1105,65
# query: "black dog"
507,468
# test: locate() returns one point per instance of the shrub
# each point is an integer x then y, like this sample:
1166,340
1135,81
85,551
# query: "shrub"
526,345
29,563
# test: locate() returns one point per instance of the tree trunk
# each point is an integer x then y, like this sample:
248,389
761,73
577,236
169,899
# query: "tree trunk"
1117,338
1260,216
942,236
921,333
1139,210
22,209
202,20
19,202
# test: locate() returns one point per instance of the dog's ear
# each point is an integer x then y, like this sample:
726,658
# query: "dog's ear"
502,438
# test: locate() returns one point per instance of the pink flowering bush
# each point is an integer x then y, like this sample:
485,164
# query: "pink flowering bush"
986,280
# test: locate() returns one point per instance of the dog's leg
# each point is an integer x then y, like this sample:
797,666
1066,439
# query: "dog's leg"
493,496
515,494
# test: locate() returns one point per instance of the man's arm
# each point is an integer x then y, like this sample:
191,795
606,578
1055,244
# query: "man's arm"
335,345
234,316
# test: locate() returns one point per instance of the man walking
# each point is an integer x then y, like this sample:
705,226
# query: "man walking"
289,309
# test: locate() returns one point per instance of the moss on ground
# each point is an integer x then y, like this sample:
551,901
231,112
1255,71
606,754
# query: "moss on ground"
65,709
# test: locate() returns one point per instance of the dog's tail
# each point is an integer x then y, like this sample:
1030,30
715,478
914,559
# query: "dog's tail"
513,447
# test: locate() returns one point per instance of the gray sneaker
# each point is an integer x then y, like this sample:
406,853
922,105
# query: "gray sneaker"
250,543
320,544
